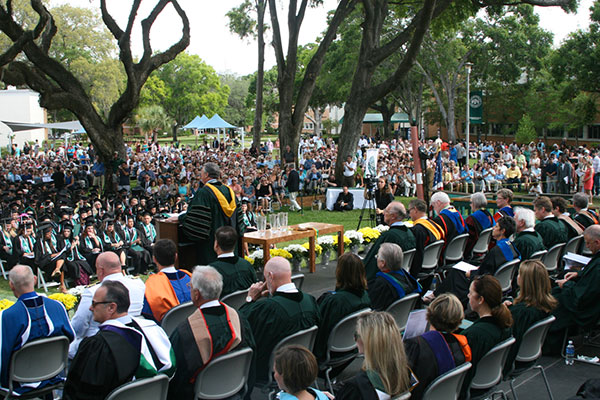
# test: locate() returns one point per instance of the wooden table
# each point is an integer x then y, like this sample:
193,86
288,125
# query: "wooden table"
267,238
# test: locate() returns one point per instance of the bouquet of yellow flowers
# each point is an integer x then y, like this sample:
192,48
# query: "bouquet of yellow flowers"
68,300
318,248
369,234
347,242
280,253
5,303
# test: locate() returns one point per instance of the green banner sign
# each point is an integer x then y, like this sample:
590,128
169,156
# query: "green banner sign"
476,107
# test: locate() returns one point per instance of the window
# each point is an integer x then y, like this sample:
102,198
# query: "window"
555,132
577,132
594,131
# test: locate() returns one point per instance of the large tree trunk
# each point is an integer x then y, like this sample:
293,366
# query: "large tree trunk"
354,113
174,128
451,119
261,6
317,121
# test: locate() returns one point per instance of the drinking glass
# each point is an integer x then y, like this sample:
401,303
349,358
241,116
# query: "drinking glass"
283,220
261,224
274,218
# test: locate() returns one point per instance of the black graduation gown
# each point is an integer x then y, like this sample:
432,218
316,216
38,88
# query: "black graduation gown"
423,237
237,273
20,253
86,247
11,257
102,363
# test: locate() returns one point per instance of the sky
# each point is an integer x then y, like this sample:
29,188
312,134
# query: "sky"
227,53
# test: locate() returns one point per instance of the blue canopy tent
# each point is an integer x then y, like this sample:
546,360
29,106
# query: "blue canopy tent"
197,122
218,123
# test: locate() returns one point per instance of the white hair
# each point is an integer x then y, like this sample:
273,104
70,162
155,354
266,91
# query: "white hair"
442,197
208,281
526,215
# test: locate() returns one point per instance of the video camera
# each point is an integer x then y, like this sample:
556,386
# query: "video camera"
370,183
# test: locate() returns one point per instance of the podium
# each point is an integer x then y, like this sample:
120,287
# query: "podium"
186,252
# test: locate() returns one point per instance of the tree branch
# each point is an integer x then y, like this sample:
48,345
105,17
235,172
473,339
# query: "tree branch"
277,45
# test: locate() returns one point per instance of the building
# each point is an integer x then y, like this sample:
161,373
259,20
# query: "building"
21,105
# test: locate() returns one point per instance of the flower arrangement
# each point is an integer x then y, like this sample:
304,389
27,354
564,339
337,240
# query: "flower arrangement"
381,228
369,234
5,303
318,248
280,253
327,242
77,291
335,242
297,251
356,237
68,300
256,259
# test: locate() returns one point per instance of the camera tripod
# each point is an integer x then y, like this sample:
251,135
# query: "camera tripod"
370,205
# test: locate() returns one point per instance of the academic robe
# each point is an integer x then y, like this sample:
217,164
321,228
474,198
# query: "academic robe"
579,298
9,256
506,211
187,354
237,273
164,291
527,243
124,348
551,231
426,231
451,222
388,287
524,317
207,211
482,336
148,236
428,362
110,238
43,250
586,218
140,257
22,245
31,317
276,317
398,234
477,222
86,246
571,226
333,307
456,280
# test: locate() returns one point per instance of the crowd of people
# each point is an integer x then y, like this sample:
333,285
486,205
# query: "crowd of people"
57,222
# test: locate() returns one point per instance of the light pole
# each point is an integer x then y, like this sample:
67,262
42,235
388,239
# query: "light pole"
468,66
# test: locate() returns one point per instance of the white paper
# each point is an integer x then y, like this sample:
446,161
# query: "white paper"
416,324
575,260
566,178
465,267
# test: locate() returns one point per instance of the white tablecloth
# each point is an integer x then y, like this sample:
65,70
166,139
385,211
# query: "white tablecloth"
332,195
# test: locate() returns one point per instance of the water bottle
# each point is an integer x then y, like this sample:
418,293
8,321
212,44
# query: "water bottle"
570,353
434,283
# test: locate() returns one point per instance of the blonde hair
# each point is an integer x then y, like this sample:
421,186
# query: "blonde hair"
445,313
535,286
384,351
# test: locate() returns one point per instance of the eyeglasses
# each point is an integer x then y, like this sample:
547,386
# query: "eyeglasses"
95,303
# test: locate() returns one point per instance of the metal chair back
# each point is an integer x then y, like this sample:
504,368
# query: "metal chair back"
235,299
481,246
447,386
550,259
538,255
489,368
505,274
409,256
154,388
456,249
176,315
431,256
224,376
400,309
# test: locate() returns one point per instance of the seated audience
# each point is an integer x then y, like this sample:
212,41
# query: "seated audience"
493,325
398,233
478,221
350,295
295,370
169,287
533,304
124,349
275,309
503,199
447,217
559,210
425,230
392,282
439,350
212,330
385,372
31,317
527,241
548,226
237,273
583,215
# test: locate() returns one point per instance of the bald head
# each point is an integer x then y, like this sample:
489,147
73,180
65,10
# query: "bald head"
107,263
21,280
395,212
277,272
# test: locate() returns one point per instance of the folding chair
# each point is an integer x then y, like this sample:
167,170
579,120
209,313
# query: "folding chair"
224,376
25,365
3,270
400,309
530,350
154,388
409,256
42,282
431,257
573,245
489,368
481,246
505,274
447,386
538,255
341,340
550,259
305,337
236,299
176,315
456,249
298,280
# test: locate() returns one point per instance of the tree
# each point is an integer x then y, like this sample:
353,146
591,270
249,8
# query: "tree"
293,102
59,88
241,24
152,119
526,132
189,87
236,111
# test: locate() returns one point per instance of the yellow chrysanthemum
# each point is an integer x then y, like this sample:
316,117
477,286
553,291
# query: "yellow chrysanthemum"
318,248
280,253
5,303
68,300
250,260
